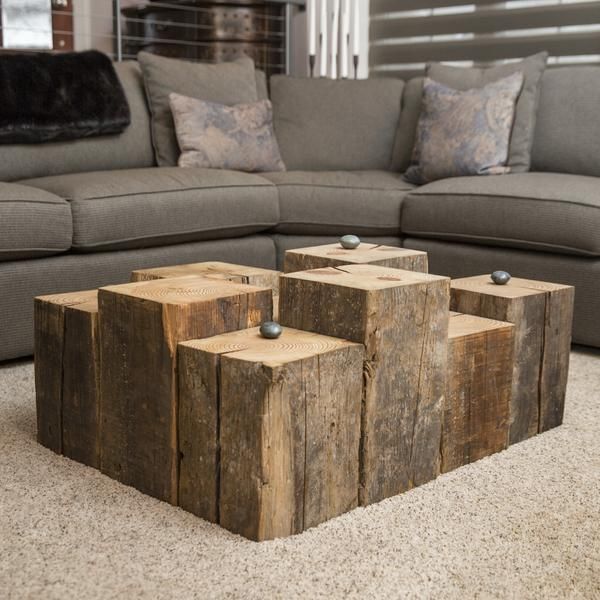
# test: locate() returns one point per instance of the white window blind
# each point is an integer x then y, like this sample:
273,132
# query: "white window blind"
406,34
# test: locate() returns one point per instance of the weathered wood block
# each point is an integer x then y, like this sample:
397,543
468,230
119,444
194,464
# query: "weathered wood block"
81,384
269,430
477,404
140,326
542,314
333,255
402,319
66,363
219,270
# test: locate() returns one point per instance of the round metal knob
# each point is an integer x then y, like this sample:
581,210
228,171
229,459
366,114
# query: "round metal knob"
270,330
350,242
500,277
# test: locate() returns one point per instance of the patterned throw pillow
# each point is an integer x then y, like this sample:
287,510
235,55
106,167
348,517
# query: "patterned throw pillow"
217,136
464,132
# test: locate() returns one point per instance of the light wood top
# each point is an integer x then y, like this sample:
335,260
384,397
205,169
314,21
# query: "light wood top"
249,345
515,288
70,298
464,325
91,306
365,253
218,270
365,277
182,290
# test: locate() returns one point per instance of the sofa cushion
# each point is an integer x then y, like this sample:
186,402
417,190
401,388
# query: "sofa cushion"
151,207
464,133
33,223
540,211
339,202
225,83
567,134
532,67
327,125
130,149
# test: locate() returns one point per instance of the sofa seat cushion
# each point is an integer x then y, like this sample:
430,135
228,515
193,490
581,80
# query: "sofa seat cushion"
539,211
152,207
33,223
339,202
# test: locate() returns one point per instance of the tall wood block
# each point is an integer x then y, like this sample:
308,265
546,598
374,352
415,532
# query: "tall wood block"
479,384
140,326
269,430
50,363
402,319
219,270
542,314
334,255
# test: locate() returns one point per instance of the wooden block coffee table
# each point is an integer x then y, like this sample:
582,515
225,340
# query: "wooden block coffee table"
402,319
477,403
269,430
165,385
542,314
334,255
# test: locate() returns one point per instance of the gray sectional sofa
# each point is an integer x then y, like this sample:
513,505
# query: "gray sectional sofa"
83,214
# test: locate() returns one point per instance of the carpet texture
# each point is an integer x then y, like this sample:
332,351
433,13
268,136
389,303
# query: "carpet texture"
521,524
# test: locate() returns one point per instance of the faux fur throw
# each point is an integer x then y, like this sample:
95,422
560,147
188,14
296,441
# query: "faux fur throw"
52,97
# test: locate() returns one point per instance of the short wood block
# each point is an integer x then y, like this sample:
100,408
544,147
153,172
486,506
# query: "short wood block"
66,363
269,430
542,314
140,326
402,319
220,270
333,255
477,404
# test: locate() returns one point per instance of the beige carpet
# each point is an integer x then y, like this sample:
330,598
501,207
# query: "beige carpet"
522,524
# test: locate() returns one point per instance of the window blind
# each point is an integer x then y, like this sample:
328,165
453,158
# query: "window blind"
406,34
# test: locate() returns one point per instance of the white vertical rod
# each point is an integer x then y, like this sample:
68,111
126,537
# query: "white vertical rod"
323,26
335,38
345,38
119,31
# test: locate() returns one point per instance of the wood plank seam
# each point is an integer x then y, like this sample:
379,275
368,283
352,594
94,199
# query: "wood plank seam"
542,363
304,474
63,351
218,442
416,411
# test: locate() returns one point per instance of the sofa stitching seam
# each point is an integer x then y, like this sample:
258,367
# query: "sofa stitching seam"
437,235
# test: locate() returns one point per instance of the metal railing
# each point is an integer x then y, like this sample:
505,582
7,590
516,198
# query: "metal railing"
194,30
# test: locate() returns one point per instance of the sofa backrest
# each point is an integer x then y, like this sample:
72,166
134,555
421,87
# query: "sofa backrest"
331,125
567,134
407,124
131,149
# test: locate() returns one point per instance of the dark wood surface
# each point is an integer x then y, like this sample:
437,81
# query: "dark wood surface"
50,364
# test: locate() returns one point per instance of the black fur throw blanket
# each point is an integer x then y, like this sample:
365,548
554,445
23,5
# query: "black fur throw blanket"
52,97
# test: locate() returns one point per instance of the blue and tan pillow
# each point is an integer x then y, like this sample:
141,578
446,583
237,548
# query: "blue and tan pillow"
217,136
464,132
